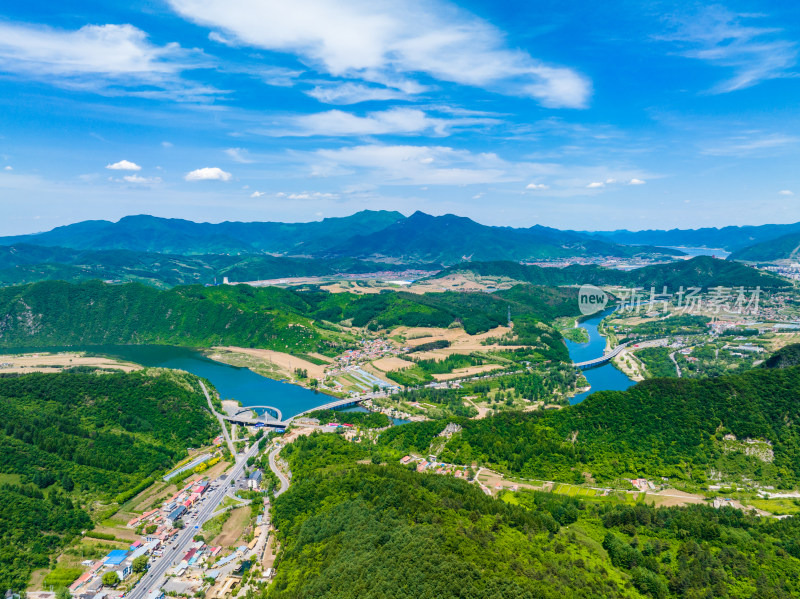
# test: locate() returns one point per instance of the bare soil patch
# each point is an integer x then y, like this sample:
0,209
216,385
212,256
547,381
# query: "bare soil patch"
233,527
391,363
43,362
284,362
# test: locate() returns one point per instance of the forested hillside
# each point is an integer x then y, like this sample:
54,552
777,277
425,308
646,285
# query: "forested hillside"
365,531
381,235
785,247
143,233
72,437
57,313
23,263
701,271
661,427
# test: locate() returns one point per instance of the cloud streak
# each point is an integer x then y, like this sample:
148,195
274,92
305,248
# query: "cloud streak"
105,59
398,121
721,38
394,44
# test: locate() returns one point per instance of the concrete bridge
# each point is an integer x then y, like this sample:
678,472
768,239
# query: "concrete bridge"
339,403
243,416
604,359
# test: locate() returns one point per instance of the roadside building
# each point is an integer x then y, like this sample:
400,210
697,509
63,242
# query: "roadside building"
254,480
176,514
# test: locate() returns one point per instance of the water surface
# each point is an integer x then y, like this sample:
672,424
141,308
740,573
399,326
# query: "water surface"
601,378
231,382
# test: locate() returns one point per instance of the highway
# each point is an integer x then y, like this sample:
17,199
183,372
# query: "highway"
181,542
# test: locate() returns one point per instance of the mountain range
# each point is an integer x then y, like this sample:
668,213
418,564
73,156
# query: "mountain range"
786,247
727,238
368,235
701,271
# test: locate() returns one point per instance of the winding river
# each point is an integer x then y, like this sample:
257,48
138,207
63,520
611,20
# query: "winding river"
231,382
601,378
252,389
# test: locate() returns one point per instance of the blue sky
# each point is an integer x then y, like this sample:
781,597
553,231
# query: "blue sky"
622,114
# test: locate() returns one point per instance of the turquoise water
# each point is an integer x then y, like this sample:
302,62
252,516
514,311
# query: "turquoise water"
362,409
601,378
231,382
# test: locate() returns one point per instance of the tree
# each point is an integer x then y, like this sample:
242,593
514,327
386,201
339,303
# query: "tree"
110,579
178,524
151,528
61,593
140,564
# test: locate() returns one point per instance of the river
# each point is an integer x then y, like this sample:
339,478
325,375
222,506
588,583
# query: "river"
231,382
601,378
251,389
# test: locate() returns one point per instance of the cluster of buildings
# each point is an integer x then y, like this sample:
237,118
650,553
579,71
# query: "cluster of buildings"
119,561
173,509
643,484
371,349
434,467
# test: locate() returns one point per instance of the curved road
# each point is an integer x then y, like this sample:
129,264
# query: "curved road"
274,467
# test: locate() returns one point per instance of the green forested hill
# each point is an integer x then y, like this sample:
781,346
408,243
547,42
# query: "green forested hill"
450,239
701,271
58,313
785,247
69,438
143,233
660,427
23,263
384,532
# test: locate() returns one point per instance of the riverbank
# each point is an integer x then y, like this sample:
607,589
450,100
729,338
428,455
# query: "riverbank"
56,362
271,364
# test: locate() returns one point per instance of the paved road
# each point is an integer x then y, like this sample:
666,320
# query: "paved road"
274,467
180,545
219,418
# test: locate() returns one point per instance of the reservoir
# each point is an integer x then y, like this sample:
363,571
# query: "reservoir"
601,378
231,382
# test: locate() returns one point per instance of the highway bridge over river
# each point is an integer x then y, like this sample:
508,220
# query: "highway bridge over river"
244,415
604,359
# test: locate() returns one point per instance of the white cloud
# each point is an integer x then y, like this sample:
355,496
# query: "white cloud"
8,168
720,37
384,41
635,181
595,185
166,144
353,93
786,192
239,155
279,76
257,194
396,121
537,186
413,165
750,143
308,195
107,59
208,174
124,165
137,179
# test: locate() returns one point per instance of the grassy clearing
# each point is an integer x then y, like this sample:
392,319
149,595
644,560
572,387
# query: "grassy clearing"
62,577
779,507
214,526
